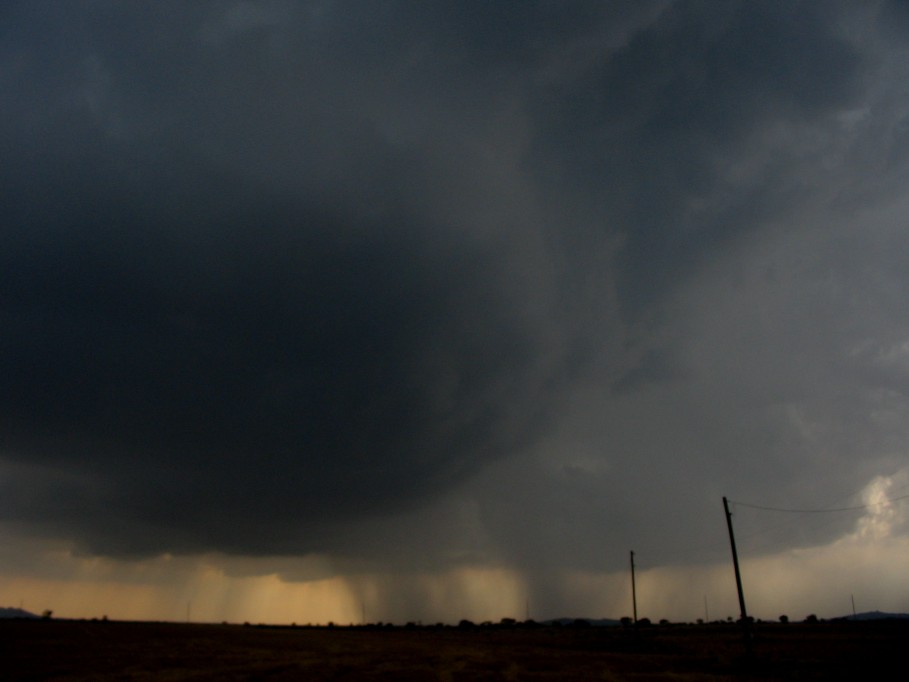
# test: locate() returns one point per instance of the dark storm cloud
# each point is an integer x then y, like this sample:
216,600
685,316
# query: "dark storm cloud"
277,274
206,356
284,361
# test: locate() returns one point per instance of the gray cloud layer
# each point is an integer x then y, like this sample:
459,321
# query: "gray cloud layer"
424,281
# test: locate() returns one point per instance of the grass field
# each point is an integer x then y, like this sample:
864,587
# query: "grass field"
98,650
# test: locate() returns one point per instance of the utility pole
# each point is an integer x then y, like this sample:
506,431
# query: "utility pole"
746,628
634,595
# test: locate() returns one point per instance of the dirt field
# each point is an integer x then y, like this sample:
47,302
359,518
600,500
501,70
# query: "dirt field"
96,650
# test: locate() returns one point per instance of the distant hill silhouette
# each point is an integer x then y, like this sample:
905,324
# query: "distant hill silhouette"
877,615
10,612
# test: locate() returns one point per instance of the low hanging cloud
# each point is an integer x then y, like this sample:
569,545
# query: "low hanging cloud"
457,283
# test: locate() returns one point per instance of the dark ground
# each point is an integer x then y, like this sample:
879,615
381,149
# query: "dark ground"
99,650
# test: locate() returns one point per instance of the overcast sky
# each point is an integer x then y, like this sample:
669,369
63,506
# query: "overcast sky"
399,299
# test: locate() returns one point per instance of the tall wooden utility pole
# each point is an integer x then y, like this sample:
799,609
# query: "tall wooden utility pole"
746,628
634,594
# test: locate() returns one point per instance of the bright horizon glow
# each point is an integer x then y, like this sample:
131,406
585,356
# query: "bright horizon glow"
818,580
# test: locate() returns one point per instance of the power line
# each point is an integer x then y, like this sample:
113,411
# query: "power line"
818,511
681,552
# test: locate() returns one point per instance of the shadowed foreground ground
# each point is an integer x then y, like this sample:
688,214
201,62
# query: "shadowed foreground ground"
83,650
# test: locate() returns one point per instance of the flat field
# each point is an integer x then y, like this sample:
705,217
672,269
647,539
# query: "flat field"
100,650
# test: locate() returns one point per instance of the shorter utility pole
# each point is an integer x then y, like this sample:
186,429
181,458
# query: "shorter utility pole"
746,626
634,594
